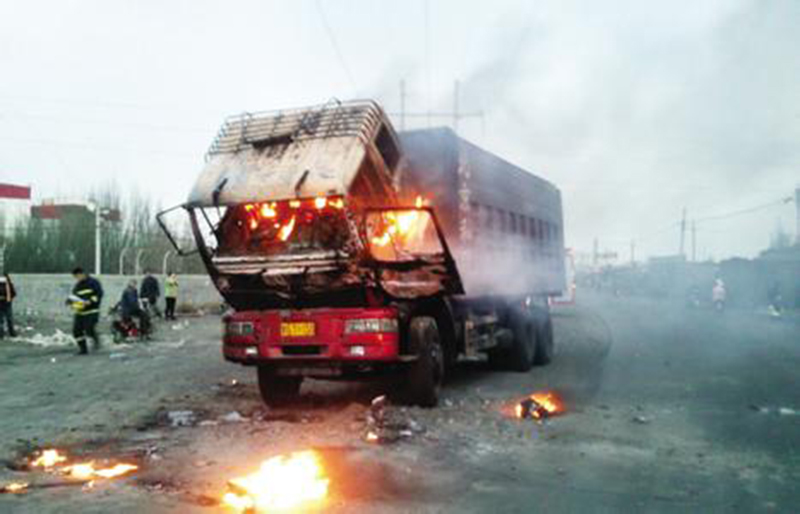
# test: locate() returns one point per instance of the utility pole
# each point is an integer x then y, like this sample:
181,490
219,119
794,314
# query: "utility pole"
633,252
595,254
456,115
97,252
694,241
683,233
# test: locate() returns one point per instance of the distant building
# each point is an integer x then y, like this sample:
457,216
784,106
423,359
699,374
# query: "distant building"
15,204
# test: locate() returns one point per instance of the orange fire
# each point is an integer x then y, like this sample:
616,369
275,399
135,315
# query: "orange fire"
402,225
287,229
48,459
14,487
539,405
294,481
55,461
88,471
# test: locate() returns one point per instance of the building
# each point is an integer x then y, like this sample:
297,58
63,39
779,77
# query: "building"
15,204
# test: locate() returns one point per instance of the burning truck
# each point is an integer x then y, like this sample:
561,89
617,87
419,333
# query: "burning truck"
347,250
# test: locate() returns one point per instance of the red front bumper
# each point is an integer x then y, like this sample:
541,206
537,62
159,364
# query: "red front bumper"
257,336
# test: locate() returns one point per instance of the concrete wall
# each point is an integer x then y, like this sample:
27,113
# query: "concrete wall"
44,295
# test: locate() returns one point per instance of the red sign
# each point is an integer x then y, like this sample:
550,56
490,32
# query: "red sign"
16,192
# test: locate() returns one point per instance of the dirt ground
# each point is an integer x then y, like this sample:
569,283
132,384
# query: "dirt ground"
668,410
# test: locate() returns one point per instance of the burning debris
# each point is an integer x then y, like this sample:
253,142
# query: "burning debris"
78,473
539,406
295,481
382,428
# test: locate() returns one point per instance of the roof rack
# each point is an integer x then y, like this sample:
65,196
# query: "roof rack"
331,119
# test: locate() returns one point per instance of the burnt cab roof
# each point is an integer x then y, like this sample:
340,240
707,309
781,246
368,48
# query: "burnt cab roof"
305,152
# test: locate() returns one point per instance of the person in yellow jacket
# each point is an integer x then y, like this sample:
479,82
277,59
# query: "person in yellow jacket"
85,302
171,295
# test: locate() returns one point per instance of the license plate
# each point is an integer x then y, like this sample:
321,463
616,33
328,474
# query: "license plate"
298,329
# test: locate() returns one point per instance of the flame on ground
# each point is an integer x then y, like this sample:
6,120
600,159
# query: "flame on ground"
14,487
539,405
282,482
88,470
53,460
48,459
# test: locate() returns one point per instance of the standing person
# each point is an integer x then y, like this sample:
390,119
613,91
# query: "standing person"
85,301
7,295
718,295
149,292
171,295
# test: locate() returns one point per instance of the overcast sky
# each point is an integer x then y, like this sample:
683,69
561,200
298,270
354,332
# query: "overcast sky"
634,109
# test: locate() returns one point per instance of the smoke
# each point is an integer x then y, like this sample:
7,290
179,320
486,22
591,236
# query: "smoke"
638,111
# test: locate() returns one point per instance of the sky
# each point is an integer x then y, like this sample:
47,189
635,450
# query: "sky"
635,110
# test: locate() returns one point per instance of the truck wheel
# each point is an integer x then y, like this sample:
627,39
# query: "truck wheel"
275,389
425,375
522,352
544,344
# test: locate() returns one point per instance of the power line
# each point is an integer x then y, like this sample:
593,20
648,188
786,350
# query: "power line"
782,201
336,48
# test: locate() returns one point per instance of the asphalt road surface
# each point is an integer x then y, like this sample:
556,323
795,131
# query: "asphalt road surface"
667,410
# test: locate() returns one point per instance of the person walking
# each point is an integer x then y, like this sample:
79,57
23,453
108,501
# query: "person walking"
85,301
149,292
171,295
7,295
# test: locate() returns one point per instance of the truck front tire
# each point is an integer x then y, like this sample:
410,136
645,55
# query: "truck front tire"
425,375
277,390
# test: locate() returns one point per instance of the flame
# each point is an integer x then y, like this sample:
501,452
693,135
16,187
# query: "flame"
14,487
372,437
336,203
549,401
282,482
87,470
287,229
419,202
268,211
48,459
538,406
402,225
320,202
294,204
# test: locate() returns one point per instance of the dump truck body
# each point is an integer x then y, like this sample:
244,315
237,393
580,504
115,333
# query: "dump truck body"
346,250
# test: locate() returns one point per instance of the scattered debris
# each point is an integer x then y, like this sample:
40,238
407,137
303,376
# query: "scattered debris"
383,428
781,411
59,338
181,418
642,420
118,356
785,411
233,417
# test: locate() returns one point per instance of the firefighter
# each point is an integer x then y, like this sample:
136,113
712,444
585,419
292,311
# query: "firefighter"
85,301
149,293
7,295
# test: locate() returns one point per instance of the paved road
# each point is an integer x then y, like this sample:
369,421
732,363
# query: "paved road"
668,410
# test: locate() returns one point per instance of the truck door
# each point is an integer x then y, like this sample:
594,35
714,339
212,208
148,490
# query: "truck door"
408,251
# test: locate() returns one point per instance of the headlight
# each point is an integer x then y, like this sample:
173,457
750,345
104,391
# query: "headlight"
240,328
370,325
